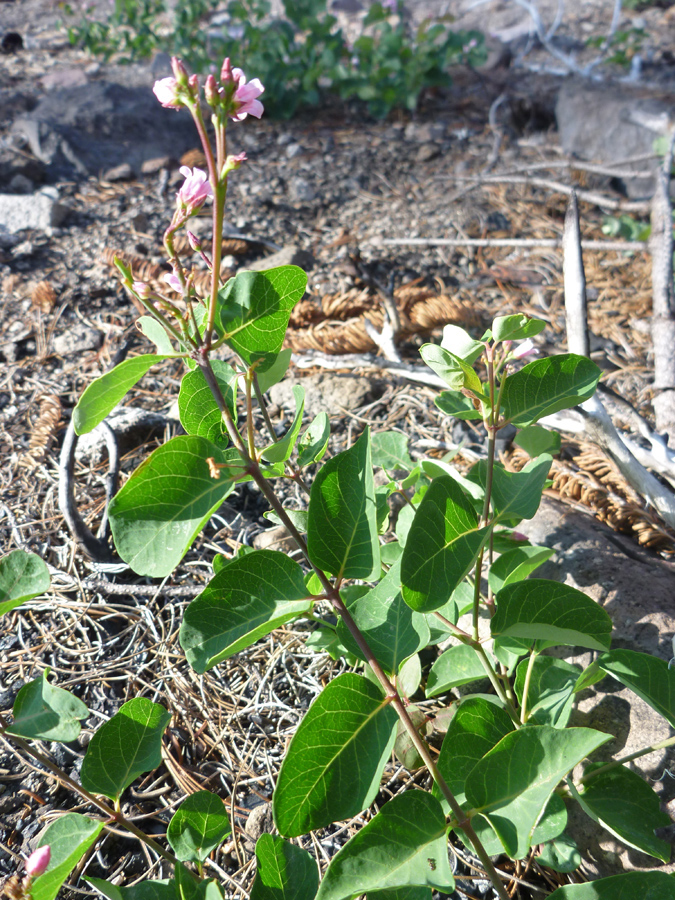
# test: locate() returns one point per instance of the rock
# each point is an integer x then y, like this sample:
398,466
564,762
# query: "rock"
132,426
326,392
276,538
638,591
608,123
152,166
293,150
19,184
63,78
123,172
39,211
427,152
77,339
424,132
301,190
13,163
287,256
96,126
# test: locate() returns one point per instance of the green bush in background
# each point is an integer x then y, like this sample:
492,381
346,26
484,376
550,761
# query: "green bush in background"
300,57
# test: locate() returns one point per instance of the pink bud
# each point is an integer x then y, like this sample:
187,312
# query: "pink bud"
232,163
519,536
212,92
196,188
142,289
193,241
179,71
167,90
226,75
38,861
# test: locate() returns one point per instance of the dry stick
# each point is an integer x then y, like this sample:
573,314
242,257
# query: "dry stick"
598,424
663,302
524,243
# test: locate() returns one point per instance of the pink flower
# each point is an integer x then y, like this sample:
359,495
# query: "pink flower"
38,861
232,163
244,99
174,282
527,348
166,90
195,189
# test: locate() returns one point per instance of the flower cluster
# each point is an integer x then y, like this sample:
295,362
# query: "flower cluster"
233,94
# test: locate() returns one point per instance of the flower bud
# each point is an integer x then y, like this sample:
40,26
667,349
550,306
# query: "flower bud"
142,289
167,91
179,71
527,348
232,163
38,861
211,91
194,242
226,75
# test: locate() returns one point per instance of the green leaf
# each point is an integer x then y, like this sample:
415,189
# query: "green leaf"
546,386
69,838
552,823
155,332
535,439
144,890
512,783
393,631
404,893
404,844
198,826
104,393
22,576
435,468
280,451
124,747
516,565
551,691
454,403
628,808
342,528
516,327
518,494
284,871
456,665
474,730
247,599
552,612
561,855
456,373
442,545
254,311
167,501
390,450
197,408
508,650
314,441
647,676
276,372
460,343
334,764
46,713
629,886
297,516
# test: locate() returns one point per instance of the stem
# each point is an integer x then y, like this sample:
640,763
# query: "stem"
496,684
250,436
60,775
459,633
624,759
526,686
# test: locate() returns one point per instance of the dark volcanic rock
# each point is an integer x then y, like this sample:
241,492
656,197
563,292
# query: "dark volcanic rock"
95,126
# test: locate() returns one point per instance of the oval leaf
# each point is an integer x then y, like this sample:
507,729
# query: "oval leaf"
456,373
342,526
166,503
22,576
647,676
247,599
551,612
197,408
516,565
513,782
46,713
69,838
443,543
198,826
390,451
280,450
629,886
284,871
314,441
103,394
126,746
628,808
546,386
404,844
456,665
334,764
144,890
551,689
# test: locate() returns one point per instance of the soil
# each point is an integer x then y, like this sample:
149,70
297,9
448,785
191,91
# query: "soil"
333,184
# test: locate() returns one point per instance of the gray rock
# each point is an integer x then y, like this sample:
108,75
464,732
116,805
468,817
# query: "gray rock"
301,190
427,152
39,211
63,78
77,339
325,392
123,172
19,184
608,123
638,591
424,132
276,538
287,256
293,150
98,125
